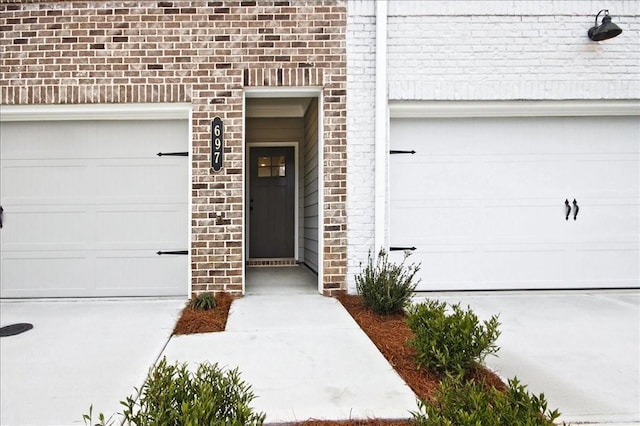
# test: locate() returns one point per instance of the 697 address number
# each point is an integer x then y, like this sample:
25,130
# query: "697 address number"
217,144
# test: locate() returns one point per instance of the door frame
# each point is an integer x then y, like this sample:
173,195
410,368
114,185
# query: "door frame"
296,201
291,92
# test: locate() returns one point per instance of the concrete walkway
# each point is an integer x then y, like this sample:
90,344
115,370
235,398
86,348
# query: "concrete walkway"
304,356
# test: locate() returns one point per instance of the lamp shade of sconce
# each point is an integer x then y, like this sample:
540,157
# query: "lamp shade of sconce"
605,30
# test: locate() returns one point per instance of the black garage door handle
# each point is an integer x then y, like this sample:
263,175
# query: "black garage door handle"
1,211
566,203
577,209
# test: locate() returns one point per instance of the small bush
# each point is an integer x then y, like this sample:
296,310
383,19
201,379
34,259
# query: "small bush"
386,287
203,301
172,395
450,343
470,403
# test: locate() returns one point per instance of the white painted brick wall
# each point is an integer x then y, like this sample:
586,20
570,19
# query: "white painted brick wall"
360,134
475,50
494,50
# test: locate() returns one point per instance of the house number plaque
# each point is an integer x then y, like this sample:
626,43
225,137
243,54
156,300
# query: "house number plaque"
217,144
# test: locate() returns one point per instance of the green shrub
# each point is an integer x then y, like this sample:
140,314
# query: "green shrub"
386,287
172,395
203,301
469,403
450,343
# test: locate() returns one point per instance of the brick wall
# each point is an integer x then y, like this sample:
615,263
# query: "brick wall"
205,53
495,50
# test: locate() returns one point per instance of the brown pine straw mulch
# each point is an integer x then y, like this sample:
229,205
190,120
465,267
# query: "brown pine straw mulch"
389,333
199,321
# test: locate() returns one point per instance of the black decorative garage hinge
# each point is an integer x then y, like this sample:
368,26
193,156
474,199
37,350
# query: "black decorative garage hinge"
179,252
173,154
396,151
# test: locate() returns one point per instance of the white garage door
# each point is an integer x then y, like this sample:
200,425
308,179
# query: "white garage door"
483,201
87,206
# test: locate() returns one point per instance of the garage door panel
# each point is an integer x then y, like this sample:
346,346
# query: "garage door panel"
521,267
607,175
48,274
605,266
444,222
57,181
497,136
521,221
153,137
472,268
461,221
483,200
69,229
56,228
91,139
481,175
442,278
128,226
413,179
95,273
51,181
611,220
48,140
517,176
155,180
138,273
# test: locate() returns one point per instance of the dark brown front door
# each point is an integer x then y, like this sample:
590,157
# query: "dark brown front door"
271,202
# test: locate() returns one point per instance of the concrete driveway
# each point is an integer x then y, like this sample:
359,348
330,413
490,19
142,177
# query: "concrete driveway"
79,353
582,349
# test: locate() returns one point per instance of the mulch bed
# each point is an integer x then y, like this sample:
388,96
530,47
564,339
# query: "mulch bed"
389,333
199,321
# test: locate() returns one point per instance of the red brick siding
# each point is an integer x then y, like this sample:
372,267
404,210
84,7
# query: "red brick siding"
205,53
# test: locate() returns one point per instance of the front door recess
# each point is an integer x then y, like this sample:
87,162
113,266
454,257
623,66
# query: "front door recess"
272,202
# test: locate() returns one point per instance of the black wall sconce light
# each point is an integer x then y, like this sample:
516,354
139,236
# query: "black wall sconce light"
604,31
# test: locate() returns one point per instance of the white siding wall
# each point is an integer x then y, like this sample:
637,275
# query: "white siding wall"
360,134
310,204
459,50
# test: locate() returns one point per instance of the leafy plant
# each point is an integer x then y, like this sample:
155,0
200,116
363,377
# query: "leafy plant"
450,343
101,421
203,301
386,287
173,395
462,403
